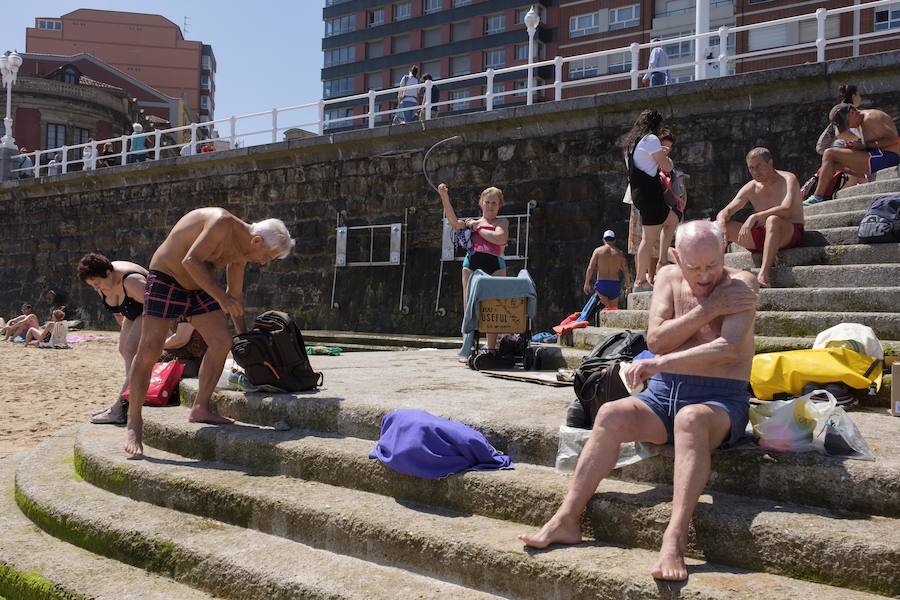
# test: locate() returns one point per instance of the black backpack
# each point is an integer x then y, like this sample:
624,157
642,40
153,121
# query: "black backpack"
882,221
597,380
273,354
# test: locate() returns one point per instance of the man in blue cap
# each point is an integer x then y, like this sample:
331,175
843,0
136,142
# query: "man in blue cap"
606,270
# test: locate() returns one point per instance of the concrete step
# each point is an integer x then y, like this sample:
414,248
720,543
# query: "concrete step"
381,523
840,204
891,174
850,218
835,236
852,254
530,433
780,323
874,299
831,276
222,559
34,564
367,340
877,188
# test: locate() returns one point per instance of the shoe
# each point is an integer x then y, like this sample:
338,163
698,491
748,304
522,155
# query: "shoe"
812,200
644,287
108,417
18,340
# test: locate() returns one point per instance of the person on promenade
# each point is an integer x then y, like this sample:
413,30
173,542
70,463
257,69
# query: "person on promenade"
777,221
878,149
645,156
407,97
607,268
18,326
120,284
138,144
701,331
182,283
658,72
435,98
490,233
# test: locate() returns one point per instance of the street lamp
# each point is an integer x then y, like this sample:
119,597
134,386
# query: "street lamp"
532,20
9,67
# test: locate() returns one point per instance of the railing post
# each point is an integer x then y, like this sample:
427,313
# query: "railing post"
723,51
701,25
193,147
821,13
557,82
635,59
428,85
65,160
93,154
372,109
233,122
124,159
274,125
489,91
37,163
157,141
321,116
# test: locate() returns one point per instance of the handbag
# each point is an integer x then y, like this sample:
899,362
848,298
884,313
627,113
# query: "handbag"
163,382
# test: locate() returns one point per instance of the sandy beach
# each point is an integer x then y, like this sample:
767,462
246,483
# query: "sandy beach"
46,390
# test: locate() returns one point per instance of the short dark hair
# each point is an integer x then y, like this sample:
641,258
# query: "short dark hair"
93,265
666,134
846,93
414,70
28,306
760,152
840,116
427,77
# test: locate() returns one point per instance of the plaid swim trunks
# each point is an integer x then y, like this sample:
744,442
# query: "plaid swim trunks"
164,298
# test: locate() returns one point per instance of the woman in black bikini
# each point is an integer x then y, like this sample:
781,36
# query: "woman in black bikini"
121,285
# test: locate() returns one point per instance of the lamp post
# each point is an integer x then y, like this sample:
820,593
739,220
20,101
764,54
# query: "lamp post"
532,20
9,67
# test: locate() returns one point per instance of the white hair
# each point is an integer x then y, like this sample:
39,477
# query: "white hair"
695,231
275,236
137,128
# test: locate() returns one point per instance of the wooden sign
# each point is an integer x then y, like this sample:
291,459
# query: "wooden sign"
502,315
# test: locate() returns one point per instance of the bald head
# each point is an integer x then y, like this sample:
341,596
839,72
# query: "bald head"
694,234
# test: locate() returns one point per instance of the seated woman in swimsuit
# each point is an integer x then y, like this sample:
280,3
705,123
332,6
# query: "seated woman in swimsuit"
121,285
489,237
53,332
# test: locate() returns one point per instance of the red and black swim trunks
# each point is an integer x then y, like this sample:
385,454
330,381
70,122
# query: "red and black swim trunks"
164,298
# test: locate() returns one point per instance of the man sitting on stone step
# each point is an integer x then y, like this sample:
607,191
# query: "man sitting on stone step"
182,282
777,219
701,330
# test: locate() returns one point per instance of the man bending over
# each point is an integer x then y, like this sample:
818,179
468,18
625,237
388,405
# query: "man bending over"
182,282
701,329
777,219
878,150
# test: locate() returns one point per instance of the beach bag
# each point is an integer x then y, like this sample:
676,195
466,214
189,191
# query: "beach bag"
163,382
882,221
838,179
273,355
857,337
674,192
788,372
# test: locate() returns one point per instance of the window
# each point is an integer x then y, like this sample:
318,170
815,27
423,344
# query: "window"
375,49
206,62
397,74
81,136
459,95
768,37
521,12
522,85
887,17
680,49
204,102
460,31
337,87
402,11
333,2
499,88
400,43
461,3
374,81
581,25
340,56
459,65
433,6
49,25
586,67
340,25
619,63
431,37
495,24
70,75
56,135
624,16
809,28
540,52
376,17
494,58
433,68
332,117
204,82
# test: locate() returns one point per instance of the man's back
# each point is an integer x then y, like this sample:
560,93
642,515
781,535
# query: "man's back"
877,125
183,235
609,261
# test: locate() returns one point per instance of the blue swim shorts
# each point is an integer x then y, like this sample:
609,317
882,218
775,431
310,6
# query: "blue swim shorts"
882,159
611,288
667,393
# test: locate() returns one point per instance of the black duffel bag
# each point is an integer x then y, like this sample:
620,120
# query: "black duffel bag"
273,354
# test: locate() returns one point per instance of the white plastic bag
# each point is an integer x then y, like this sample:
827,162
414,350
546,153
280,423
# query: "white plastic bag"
841,438
573,439
859,338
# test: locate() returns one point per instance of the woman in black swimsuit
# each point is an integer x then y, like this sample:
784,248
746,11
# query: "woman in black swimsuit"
121,285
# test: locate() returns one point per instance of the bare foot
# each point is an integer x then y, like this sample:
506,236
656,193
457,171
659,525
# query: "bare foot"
555,531
763,279
203,415
133,433
670,566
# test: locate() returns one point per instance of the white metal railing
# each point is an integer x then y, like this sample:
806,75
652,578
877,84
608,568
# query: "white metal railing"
266,126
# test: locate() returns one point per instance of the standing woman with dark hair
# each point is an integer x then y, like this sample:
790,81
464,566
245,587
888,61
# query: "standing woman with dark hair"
121,285
645,156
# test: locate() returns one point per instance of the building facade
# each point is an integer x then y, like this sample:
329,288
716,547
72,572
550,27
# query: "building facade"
147,47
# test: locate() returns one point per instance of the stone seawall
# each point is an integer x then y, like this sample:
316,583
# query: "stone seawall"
564,156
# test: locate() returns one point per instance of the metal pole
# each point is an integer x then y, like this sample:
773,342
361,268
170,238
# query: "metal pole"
124,159
233,122
635,59
530,68
856,28
158,141
489,92
723,51
8,140
372,109
557,82
821,13
405,248
428,85
701,25
274,125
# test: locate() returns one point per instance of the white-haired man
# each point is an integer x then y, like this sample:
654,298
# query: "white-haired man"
181,283
701,331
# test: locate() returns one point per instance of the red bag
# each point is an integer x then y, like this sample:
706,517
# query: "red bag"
163,383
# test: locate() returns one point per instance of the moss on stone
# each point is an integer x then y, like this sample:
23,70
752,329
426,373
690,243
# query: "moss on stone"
30,585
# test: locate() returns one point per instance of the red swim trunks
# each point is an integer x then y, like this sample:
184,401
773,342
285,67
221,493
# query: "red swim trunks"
759,238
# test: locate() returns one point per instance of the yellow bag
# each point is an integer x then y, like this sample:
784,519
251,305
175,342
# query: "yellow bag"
788,372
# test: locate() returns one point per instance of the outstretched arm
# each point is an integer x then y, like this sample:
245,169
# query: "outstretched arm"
454,222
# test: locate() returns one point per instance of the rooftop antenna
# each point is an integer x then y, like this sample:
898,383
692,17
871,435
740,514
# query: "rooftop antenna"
186,25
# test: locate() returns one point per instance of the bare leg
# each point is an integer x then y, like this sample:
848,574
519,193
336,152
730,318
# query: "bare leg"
153,337
492,337
699,429
625,420
214,329
838,158
665,239
649,234
129,338
778,233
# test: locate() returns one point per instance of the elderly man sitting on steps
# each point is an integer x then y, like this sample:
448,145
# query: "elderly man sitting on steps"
701,330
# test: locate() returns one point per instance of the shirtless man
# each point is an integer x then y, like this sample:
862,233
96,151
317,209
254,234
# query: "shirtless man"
182,282
701,330
777,219
879,148
607,268
18,326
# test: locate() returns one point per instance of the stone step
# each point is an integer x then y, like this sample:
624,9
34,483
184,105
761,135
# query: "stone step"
530,432
874,299
876,188
34,564
850,218
224,560
830,276
890,174
366,340
835,236
840,204
780,323
851,254
380,522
